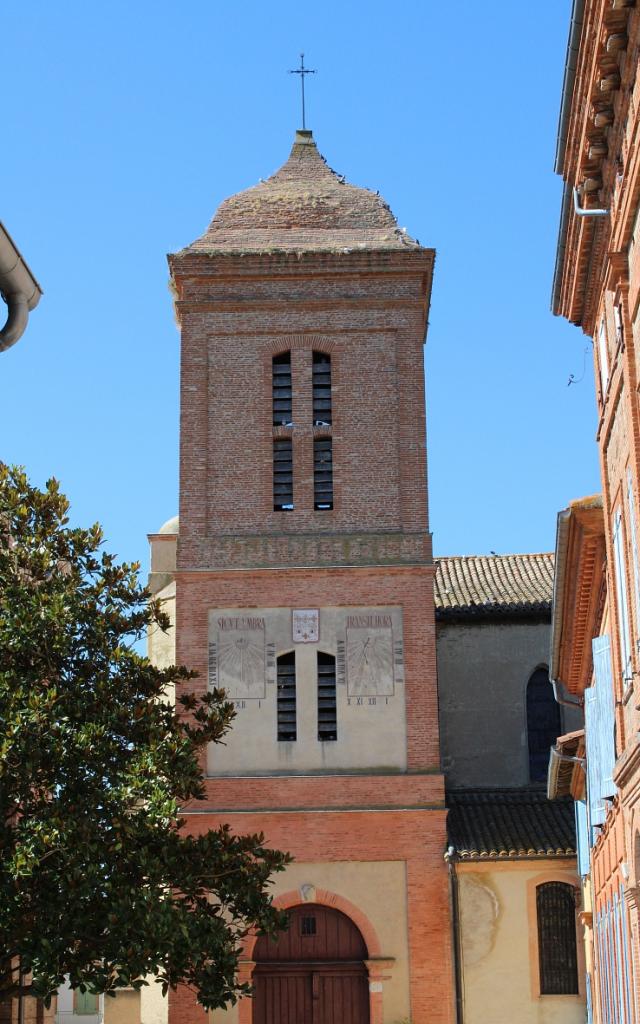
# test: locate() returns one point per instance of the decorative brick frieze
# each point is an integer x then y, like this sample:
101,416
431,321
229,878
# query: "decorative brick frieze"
270,552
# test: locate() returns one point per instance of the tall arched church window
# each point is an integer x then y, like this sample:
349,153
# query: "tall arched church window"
543,723
286,700
557,955
321,389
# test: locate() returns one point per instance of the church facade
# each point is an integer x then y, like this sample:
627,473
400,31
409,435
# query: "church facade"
304,586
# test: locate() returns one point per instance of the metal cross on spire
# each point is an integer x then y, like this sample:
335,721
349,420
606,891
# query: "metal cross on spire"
302,71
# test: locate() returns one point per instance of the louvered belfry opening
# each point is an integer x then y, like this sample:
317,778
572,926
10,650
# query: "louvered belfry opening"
281,389
286,710
282,474
327,708
322,473
321,389
555,906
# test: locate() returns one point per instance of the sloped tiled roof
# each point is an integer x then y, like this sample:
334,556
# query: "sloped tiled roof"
502,824
493,584
304,206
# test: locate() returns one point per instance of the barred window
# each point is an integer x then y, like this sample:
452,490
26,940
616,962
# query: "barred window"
322,473
281,389
321,389
286,710
282,474
555,906
327,711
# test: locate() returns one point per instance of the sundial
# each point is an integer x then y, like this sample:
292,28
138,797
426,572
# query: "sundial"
370,661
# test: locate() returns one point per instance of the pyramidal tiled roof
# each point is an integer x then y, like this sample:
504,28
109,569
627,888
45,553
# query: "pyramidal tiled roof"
493,584
502,824
305,206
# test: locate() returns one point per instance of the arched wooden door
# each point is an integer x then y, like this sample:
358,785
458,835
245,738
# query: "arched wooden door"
314,973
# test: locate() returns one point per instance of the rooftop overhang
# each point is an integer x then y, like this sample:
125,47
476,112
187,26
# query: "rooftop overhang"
578,592
566,774
594,82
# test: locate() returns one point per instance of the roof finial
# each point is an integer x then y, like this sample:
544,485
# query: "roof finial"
302,71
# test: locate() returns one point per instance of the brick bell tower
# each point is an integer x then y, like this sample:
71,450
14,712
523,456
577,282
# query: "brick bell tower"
304,586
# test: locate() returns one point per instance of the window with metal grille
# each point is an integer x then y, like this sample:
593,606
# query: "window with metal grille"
322,473
307,926
555,906
282,401
321,389
327,711
282,474
286,712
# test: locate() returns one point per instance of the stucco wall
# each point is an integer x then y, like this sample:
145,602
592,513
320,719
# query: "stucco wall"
499,943
124,1008
483,671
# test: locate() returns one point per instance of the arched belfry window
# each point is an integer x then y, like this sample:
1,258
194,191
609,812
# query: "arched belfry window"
557,955
327,705
322,413
281,390
543,723
286,700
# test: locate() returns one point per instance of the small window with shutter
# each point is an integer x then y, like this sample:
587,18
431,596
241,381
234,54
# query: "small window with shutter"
327,708
286,698
85,1004
281,389
321,389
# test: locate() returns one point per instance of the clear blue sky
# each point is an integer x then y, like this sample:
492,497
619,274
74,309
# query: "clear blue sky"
128,123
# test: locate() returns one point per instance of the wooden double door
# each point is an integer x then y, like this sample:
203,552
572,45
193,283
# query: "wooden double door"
315,972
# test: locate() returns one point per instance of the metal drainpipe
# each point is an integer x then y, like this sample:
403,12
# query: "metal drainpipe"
450,859
567,700
18,315
580,211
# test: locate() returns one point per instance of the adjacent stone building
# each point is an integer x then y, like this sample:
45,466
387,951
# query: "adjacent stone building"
511,851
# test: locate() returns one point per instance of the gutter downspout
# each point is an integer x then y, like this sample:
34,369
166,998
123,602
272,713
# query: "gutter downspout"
567,699
582,211
450,860
18,288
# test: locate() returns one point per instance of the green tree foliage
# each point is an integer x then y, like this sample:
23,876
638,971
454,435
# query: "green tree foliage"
98,879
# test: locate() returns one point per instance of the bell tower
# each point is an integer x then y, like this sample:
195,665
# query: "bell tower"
304,577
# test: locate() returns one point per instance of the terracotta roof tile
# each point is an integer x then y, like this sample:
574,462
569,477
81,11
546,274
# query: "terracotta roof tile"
304,206
493,584
502,824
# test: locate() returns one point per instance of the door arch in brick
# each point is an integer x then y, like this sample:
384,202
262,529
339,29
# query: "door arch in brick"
314,973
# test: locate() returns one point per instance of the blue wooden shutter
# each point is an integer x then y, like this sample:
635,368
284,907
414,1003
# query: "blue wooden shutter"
599,709
582,837
621,593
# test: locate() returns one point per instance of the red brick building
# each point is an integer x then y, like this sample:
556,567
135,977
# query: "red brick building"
304,585
596,619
